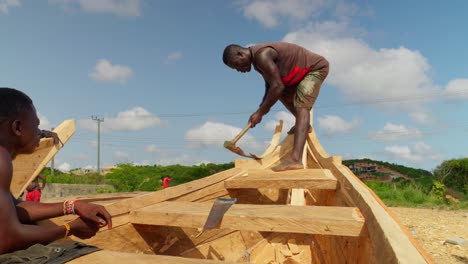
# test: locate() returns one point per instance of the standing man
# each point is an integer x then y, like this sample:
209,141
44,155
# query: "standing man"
292,75
166,182
34,190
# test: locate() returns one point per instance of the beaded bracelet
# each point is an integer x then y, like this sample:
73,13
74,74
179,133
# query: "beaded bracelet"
69,207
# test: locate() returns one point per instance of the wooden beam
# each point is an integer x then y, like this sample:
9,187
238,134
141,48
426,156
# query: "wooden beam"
340,221
125,206
27,166
105,256
307,179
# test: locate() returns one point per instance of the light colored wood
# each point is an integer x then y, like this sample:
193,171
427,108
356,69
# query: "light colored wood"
272,218
308,179
280,152
105,256
274,140
226,248
128,205
27,166
385,233
298,197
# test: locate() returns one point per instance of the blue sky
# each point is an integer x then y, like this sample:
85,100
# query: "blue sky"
397,89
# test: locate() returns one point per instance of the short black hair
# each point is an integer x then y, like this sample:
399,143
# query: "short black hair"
230,52
13,102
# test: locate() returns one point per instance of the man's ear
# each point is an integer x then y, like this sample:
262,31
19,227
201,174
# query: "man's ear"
16,127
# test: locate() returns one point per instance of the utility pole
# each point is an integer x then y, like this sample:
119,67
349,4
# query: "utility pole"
98,120
52,163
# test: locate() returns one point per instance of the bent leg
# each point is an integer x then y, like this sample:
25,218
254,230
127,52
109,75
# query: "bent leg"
306,93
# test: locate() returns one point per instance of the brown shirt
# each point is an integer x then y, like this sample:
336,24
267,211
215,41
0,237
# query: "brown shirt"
294,61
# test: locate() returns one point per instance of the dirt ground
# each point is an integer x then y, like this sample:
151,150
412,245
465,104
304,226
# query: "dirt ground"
431,227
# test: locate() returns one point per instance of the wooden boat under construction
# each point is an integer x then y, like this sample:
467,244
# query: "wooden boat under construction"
321,214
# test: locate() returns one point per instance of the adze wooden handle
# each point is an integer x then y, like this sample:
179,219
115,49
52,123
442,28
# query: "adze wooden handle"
246,128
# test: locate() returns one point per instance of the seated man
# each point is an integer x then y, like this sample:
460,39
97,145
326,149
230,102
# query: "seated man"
19,134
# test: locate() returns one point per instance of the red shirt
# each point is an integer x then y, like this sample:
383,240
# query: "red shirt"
34,196
166,182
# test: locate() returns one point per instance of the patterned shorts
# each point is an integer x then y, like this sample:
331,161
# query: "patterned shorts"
305,92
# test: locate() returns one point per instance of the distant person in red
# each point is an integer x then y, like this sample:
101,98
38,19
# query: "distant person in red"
34,190
165,181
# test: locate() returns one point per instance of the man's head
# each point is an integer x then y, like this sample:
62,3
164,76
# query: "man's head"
19,124
237,58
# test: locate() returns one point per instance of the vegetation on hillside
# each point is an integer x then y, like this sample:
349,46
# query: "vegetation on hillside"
410,172
130,178
424,189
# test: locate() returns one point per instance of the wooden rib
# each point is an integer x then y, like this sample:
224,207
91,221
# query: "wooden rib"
342,221
104,256
27,166
308,179
274,140
297,197
125,206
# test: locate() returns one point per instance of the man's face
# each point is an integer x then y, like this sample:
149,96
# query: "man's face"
28,132
240,63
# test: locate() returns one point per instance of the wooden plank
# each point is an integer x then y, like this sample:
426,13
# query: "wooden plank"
27,166
385,232
307,179
125,206
297,197
343,221
104,256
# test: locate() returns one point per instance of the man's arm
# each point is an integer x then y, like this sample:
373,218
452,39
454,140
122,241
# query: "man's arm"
50,134
265,62
14,234
267,88
30,212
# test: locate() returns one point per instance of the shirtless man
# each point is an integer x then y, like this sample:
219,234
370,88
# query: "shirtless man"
19,134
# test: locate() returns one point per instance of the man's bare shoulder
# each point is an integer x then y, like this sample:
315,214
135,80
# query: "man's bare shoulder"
6,168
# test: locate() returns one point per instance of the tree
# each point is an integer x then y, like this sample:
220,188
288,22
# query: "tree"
454,174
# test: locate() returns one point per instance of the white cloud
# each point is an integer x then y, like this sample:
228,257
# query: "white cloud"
5,5
151,148
214,134
65,167
367,75
174,56
269,12
288,121
116,7
44,122
120,156
182,160
333,125
422,117
417,152
107,72
134,119
457,89
392,132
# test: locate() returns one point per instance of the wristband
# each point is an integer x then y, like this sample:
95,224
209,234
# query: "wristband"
67,227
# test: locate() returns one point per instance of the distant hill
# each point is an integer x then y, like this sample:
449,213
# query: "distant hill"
400,169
